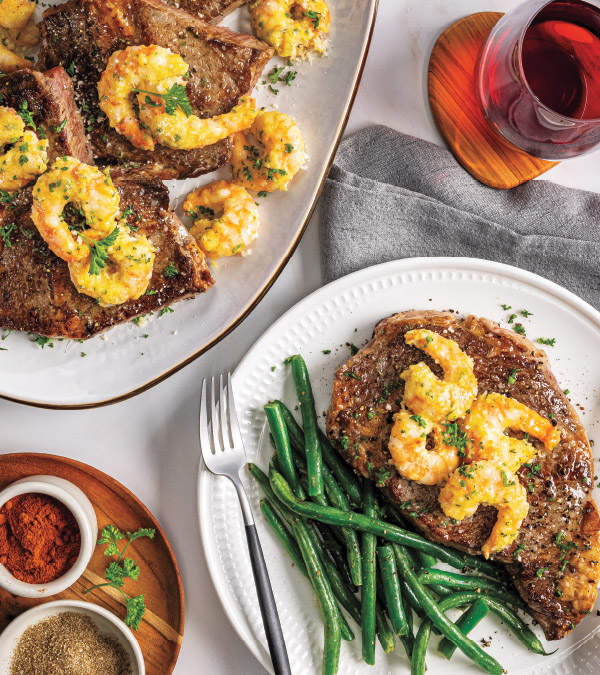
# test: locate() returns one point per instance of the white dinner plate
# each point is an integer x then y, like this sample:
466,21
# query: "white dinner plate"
130,358
343,312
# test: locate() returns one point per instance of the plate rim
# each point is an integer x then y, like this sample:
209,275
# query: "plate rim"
424,264
372,7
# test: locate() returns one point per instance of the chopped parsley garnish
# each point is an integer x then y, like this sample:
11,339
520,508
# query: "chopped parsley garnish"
505,480
354,376
511,318
71,68
176,97
236,248
525,313
419,420
61,126
455,437
506,307
327,351
170,271
315,17
43,341
520,329
262,193
382,476
289,148
5,232
26,115
547,341
6,197
273,76
540,572
353,349
512,377
99,250
165,310
344,440
517,551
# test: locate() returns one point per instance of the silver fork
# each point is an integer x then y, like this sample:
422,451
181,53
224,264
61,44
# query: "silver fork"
224,455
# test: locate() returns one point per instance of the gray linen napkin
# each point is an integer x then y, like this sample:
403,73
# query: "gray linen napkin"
392,196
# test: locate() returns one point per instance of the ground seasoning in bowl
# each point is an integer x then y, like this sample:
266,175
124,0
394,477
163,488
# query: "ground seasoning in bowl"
39,538
68,643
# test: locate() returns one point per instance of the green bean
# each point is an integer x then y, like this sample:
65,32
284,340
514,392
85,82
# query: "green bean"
329,608
518,627
346,478
282,446
466,622
335,580
408,640
337,553
312,446
438,618
352,605
282,533
417,661
379,528
369,575
460,581
413,601
456,559
442,591
426,560
391,589
384,633
339,500
292,519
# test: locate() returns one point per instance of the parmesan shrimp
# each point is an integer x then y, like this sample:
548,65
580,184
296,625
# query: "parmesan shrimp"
427,395
282,157
486,483
89,189
26,159
293,27
126,273
408,447
151,72
16,13
188,132
225,218
491,414
151,68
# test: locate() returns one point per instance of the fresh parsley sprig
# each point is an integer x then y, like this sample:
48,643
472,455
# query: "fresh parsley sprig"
99,250
123,568
176,97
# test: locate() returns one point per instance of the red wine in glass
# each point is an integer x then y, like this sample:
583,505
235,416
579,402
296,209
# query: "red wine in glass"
538,77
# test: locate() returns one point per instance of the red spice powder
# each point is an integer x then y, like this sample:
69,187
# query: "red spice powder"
39,538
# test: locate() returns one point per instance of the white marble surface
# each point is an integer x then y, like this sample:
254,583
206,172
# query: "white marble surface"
150,443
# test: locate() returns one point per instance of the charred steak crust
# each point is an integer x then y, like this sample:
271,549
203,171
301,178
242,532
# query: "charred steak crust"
36,292
359,423
49,98
224,66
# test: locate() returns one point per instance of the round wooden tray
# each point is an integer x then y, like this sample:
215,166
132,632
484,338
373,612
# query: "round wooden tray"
161,631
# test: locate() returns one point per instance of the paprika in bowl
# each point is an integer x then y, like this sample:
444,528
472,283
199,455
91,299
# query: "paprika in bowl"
48,532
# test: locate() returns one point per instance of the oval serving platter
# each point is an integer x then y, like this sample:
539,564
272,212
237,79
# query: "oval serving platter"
161,631
131,358
321,327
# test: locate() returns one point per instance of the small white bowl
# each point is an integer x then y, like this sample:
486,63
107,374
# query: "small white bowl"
83,511
107,622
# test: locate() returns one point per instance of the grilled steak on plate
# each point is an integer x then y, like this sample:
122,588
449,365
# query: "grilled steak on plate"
554,561
211,11
36,292
82,34
49,98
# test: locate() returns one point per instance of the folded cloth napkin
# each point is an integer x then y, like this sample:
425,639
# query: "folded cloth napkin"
392,196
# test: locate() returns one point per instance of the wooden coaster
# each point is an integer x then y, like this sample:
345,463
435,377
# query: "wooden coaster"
483,153
161,630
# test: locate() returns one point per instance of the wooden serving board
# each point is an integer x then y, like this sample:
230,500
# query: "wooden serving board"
451,82
161,631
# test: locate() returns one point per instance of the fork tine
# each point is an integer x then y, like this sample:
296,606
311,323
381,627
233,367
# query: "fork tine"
236,433
205,440
223,414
